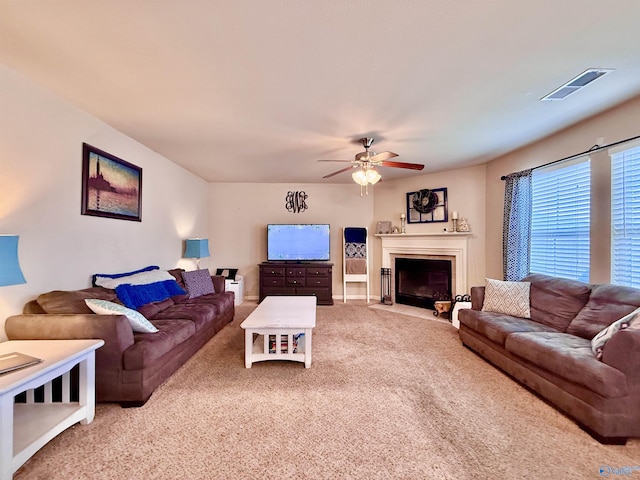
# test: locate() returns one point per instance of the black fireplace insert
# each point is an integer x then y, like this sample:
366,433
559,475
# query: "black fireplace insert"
420,281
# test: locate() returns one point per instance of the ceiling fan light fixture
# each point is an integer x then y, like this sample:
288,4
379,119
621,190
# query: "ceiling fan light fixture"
366,176
365,164
360,177
373,176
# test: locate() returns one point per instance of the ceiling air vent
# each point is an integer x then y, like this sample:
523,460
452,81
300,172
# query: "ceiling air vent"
576,83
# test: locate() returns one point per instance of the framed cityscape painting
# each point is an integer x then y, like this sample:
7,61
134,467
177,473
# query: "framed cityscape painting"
427,205
111,187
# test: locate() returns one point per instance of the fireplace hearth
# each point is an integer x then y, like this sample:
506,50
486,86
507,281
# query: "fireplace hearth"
421,281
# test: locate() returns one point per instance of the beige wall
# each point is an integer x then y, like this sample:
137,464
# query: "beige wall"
239,214
612,126
41,138
466,195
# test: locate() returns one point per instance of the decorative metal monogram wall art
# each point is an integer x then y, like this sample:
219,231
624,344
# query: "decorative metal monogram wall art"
427,205
296,202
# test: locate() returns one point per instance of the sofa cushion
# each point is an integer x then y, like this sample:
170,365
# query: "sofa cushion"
150,310
570,358
496,326
66,302
137,321
177,274
606,304
199,313
510,298
556,301
198,283
600,340
148,348
223,301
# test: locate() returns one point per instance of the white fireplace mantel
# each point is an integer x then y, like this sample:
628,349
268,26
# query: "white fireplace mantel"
430,244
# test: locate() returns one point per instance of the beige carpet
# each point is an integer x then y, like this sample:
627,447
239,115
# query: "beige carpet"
388,396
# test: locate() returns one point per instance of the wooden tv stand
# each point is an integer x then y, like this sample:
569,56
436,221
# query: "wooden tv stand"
313,278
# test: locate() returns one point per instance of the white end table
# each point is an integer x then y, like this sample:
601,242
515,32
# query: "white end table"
236,286
454,314
278,322
26,427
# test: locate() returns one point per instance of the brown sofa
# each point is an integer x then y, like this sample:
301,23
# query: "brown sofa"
551,352
130,365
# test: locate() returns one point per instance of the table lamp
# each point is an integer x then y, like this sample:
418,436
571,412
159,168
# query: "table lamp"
197,248
10,273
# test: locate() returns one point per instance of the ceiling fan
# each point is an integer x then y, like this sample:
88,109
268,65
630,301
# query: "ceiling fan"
365,163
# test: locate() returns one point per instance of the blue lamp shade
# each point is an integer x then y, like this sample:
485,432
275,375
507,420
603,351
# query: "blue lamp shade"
196,248
10,273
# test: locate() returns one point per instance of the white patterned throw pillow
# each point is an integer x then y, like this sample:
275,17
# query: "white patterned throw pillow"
600,340
138,322
510,298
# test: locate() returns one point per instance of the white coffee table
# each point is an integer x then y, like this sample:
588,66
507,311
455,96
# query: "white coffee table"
26,427
283,328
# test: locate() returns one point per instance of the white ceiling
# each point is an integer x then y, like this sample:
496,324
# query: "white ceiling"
258,91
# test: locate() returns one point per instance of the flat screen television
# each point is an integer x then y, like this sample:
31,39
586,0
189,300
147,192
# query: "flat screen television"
298,242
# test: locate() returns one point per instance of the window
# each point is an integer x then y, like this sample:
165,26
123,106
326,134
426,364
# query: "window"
625,217
560,220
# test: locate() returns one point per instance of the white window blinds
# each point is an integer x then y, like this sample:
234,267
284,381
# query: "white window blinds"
625,217
560,220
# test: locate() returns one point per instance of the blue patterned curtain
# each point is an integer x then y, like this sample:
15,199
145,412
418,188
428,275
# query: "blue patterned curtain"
516,229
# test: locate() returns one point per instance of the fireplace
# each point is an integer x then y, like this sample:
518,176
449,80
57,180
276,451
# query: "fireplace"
422,281
452,247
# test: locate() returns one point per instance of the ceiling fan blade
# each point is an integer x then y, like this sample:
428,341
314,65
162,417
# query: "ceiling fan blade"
339,171
411,166
382,156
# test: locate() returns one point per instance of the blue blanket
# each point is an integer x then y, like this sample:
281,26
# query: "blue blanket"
134,296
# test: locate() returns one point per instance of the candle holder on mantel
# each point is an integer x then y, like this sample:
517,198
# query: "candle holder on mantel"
454,217
403,222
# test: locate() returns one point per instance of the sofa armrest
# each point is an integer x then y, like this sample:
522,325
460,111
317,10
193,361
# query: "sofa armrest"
477,297
115,330
218,283
622,352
